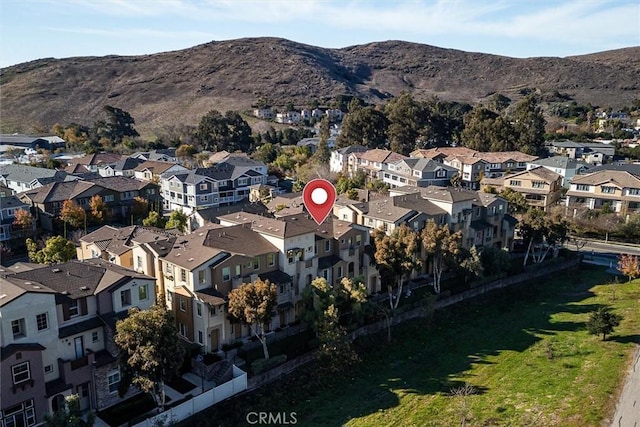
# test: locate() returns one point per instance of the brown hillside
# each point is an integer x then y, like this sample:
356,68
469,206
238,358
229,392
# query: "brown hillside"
174,88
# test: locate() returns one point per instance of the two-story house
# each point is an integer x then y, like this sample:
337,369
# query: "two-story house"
539,186
57,335
619,189
91,162
151,170
21,178
564,166
339,161
123,167
373,162
9,205
417,172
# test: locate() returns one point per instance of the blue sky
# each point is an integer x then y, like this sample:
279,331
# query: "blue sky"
33,29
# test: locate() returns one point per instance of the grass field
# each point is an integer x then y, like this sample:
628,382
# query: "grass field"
525,351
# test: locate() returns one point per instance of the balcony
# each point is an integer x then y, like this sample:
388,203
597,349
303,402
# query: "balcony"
79,363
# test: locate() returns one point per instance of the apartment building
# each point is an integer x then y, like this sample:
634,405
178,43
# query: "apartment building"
541,187
340,160
618,189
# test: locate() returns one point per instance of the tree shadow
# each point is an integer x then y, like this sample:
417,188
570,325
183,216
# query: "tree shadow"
625,339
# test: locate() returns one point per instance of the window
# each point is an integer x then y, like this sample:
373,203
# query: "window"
339,272
582,187
256,263
183,304
139,262
537,184
358,239
226,274
327,246
22,414
183,274
515,183
73,308
202,276
48,369
238,269
41,321
125,297
200,337
249,264
21,372
113,379
608,189
634,191
203,186
142,293
108,198
441,173
183,329
242,181
18,328
199,309
271,260
94,336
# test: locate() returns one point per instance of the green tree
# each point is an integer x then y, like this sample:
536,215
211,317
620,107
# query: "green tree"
485,130
119,124
150,351
335,353
472,265
396,257
498,102
495,260
69,415
229,132
517,203
365,126
406,120
177,219
253,304
154,220
266,153
442,246
140,208
529,124
542,233
603,321
56,249
323,155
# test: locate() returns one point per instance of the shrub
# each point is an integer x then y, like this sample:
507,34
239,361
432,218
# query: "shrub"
262,365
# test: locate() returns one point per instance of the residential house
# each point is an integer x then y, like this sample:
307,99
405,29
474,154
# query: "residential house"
373,162
541,187
117,192
618,189
564,166
151,170
201,217
221,184
91,162
339,161
124,167
57,327
21,178
263,113
159,155
202,268
594,153
417,172
289,118
313,143
9,205
301,243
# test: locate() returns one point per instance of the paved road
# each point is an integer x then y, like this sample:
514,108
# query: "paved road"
606,247
628,408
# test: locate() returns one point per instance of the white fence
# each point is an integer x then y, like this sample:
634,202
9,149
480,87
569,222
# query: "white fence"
201,401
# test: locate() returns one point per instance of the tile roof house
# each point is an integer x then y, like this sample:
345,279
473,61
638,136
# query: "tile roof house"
562,165
619,189
91,162
63,343
540,187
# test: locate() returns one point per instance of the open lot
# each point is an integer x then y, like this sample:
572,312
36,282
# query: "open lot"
525,352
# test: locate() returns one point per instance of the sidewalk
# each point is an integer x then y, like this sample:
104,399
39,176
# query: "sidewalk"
628,408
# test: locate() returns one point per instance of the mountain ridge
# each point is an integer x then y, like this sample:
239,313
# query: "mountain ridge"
176,88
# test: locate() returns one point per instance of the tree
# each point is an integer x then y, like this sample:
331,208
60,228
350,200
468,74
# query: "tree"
472,265
23,220
186,150
99,209
529,125
229,132
140,208
543,232
119,125
253,304
494,261
322,153
629,266
56,249
365,126
396,258
150,351
406,121
335,352
69,415
177,219
154,220
603,321
485,130
441,245
72,214
347,296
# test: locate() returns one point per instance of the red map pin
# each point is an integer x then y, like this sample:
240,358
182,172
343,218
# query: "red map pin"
319,196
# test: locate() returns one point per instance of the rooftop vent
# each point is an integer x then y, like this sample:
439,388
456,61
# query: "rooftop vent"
28,283
190,259
56,270
36,287
84,288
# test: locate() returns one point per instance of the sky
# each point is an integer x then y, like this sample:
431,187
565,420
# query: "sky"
34,29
